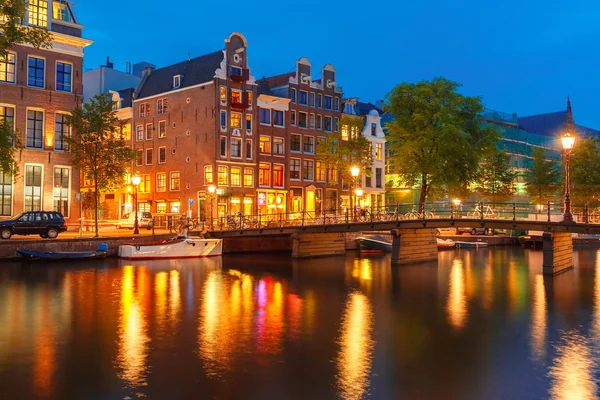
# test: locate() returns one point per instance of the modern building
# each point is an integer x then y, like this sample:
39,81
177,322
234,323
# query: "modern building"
38,88
106,78
195,127
314,112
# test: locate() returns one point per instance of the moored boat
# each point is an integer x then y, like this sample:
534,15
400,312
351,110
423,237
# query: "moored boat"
63,255
374,244
461,245
177,247
445,244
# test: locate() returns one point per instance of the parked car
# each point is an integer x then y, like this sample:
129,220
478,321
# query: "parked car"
475,231
128,220
47,224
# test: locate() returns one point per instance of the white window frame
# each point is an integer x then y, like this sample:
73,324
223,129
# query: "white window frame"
231,142
177,81
45,69
67,215
146,156
158,155
170,188
43,127
56,75
15,71
296,151
25,184
282,154
282,179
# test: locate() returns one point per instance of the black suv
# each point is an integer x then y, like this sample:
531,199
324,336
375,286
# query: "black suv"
47,224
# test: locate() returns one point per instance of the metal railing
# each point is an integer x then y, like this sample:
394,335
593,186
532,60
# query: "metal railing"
399,212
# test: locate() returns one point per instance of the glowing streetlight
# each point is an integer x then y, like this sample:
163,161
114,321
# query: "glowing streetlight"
358,192
135,181
355,171
567,141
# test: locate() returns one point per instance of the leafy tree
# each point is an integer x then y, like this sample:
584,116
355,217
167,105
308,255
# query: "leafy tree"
344,149
495,176
585,172
9,147
543,177
99,146
12,13
437,135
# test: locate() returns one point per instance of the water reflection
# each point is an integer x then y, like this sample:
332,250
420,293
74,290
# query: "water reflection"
572,373
596,319
539,319
456,305
133,340
356,347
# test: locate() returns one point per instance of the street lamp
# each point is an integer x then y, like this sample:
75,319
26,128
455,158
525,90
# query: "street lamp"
211,190
135,181
355,171
568,141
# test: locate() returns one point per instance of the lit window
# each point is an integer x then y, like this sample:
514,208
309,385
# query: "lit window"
33,188
320,171
236,97
162,105
35,72
174,180
378,151
208,175
278,175
7,68
236,120
162,129
144,109
149,128
161,182
235,176
222,175
161,207
6,193
264,170
60,192
61,131
248,177
63,77
38,13
60,11
223,91
265,145
144,184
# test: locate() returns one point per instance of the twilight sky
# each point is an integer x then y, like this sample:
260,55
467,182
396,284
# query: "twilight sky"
521,56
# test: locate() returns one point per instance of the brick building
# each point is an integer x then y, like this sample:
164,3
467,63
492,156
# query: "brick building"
194,127
37,89
314,111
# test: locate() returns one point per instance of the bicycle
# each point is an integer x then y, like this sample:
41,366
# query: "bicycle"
414,214
488,212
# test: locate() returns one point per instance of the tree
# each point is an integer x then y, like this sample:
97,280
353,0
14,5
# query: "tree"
585,172
9,147
99,146
543,177
12,13
347,148
495,176
437,135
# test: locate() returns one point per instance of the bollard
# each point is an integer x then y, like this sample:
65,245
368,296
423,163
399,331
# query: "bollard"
514,211
548,210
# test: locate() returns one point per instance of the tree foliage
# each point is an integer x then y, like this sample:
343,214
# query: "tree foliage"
99,147
495,176
437,136
9,148
543,178
344,149
585,173
12,13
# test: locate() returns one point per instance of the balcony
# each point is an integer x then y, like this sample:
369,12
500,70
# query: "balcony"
239,74
236,104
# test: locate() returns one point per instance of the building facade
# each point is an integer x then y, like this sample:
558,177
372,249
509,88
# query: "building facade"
38,88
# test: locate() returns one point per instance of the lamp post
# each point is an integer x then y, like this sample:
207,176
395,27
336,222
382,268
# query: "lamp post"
568,141
456,205
358,192
135,181
355,171
211,190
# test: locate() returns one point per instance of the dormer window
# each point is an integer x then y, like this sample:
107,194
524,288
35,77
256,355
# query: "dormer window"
177,79
61,12
348,108
37,13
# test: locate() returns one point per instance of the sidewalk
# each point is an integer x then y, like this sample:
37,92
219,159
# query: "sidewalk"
107,232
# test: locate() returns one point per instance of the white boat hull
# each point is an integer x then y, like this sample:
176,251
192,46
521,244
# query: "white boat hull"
181,248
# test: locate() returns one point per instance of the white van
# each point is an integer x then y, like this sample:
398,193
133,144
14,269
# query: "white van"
128,220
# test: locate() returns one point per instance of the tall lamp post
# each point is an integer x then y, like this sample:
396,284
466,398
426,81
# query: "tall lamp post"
568,141
358,192
135,181
211,190
355,171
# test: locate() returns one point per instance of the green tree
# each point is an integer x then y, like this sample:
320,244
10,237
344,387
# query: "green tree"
437,135
344,149
12,13
9,148
99,146
585,172
543,178
495,176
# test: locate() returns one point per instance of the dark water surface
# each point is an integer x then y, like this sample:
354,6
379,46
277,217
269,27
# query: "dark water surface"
480,324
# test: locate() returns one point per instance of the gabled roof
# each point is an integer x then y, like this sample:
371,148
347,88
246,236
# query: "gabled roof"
195,71
552,124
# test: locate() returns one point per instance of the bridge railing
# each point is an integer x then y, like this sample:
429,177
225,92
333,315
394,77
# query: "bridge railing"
398,212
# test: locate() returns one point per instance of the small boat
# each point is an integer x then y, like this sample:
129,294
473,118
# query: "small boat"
445,244
177,247
374,244
462,245
64,255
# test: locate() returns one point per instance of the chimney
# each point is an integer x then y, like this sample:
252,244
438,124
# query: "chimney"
108,63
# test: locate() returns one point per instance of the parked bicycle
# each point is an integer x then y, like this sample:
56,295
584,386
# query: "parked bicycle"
415,214
488,212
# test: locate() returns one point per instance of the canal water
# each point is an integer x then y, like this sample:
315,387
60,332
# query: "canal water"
477,324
